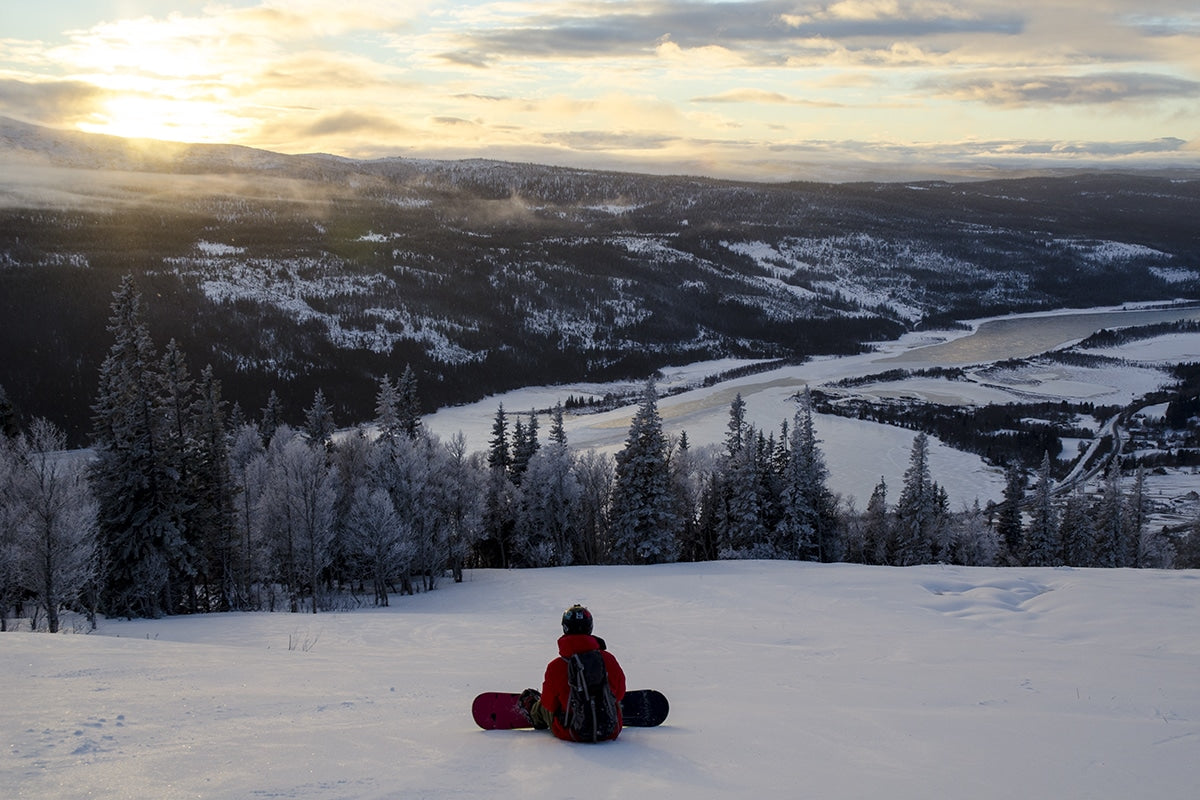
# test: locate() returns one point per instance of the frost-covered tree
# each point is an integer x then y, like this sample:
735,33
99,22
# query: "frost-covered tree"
545,534
1041,544
297,516
974,542
416,478
379,543
351,461
137,489
56,525
643,521
595,473
463,503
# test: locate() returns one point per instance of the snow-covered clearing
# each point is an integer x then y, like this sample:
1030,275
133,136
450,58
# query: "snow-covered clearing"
786,680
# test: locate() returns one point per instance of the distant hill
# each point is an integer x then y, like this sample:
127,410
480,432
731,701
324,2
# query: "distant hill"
295,273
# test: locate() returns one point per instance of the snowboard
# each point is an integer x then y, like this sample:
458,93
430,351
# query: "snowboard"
501,711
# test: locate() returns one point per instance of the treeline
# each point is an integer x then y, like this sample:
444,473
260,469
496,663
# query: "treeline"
186,505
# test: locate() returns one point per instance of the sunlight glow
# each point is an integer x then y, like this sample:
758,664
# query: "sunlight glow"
148,117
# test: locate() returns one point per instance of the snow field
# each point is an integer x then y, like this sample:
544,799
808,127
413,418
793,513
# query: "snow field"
786,679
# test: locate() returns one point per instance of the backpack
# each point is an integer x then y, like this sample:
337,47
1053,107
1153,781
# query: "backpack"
591,714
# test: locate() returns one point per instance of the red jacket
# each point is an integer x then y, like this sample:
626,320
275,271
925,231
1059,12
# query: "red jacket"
556,691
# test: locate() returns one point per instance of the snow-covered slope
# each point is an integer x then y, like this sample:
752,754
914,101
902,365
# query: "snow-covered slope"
786,680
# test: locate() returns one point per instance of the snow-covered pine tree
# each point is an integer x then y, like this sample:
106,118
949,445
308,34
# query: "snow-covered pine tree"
408,406
525,445
318,421
500,498
212,495
736,430
879,532
135,487
1076,530
685,491
558,431
740,521
643,522
520,453
270,418
1041,545
917,508
387,410
499,455
705,546
176,452
56,521
741,527
1008,521
8,415
10,513
1112,538
809,510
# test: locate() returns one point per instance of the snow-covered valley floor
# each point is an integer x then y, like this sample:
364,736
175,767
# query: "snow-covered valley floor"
786,680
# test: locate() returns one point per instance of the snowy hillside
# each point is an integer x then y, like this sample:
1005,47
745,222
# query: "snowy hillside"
786,680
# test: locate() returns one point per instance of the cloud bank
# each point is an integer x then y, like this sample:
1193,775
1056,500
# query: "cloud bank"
725,88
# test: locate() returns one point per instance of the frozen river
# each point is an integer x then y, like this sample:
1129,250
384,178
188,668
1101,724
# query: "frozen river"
858,453
1031,334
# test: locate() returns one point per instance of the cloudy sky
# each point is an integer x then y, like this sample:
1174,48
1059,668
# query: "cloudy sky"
765,89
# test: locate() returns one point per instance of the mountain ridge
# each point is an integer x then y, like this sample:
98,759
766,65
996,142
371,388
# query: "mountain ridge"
295,273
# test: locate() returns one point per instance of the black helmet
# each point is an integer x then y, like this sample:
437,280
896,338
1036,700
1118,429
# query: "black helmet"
577,619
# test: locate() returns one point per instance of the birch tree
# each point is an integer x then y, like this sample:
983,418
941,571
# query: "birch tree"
56,526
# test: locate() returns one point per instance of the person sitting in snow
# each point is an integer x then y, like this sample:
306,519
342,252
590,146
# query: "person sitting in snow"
549,709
